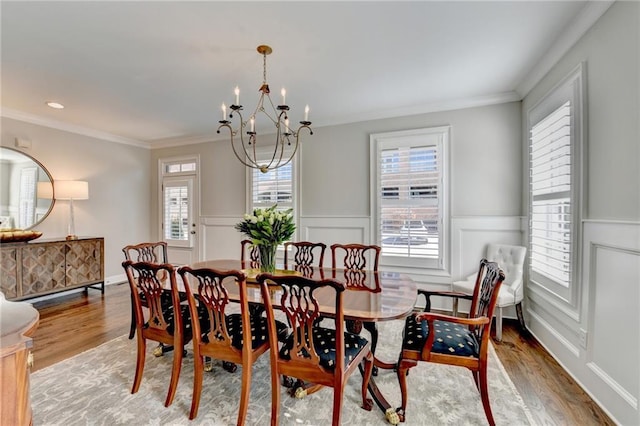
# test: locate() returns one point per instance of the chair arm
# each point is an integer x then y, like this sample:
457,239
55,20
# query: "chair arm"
428,293
430,317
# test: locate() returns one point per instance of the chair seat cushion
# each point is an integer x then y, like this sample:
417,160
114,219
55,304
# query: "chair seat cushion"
450,338
186,321
259,330
325,343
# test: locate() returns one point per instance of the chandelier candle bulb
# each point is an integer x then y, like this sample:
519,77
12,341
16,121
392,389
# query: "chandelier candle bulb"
237,92
306,113
224,111
253,124
284,93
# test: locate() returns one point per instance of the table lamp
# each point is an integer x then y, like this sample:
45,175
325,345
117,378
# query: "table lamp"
71,190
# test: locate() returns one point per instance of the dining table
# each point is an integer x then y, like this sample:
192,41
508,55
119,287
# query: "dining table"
370,297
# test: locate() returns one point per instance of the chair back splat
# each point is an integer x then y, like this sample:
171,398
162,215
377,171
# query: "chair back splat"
146,252
354,256
249,255
306,256
312,353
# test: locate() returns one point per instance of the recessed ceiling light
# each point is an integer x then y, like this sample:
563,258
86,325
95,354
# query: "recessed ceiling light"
55,105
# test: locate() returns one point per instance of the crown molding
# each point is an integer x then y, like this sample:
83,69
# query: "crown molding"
72,128
182,140
591,12
450,105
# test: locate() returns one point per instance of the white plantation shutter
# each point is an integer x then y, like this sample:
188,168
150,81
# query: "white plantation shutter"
410,196
176,211
273,187
551,205
27,199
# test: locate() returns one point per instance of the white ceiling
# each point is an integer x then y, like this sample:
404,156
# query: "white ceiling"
156,73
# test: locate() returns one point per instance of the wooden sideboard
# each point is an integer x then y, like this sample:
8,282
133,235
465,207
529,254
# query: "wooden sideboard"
48,266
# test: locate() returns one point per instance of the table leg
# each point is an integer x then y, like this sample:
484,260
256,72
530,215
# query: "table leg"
389,412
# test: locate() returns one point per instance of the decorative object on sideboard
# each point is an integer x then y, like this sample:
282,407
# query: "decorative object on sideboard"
71,190
21,178
18,235
248,152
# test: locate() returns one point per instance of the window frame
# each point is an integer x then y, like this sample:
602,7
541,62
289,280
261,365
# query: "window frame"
412,138
572,88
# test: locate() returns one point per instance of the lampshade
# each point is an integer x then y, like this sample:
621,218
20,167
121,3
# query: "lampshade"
71,190
45,190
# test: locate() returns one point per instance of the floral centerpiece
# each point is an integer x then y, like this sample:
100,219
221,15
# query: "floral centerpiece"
267,228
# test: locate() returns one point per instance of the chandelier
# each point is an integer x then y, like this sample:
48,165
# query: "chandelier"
287,139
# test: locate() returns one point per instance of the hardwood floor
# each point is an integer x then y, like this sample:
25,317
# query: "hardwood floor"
74,322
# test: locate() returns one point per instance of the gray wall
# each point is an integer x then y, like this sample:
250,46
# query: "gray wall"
118,207
606,362
486,181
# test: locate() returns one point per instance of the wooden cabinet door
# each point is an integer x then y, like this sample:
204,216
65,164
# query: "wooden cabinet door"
84,262
43,268
9,272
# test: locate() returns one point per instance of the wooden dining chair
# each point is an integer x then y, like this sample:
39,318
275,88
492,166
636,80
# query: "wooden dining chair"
169,325
304,255
249,255
155,252
321,356
217,333
352,258
446,339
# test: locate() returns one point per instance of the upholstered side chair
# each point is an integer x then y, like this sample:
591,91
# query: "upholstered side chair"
511,260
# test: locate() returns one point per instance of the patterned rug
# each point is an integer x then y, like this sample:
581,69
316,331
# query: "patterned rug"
93,388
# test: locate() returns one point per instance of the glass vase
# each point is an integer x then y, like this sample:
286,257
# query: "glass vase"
267,257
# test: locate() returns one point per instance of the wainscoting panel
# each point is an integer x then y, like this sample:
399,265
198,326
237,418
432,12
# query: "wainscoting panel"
612,273
600,347
219,239
332,230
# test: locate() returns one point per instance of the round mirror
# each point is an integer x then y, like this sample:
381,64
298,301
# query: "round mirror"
26,190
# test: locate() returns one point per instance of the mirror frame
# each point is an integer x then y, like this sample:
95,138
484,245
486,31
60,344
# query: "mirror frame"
46,171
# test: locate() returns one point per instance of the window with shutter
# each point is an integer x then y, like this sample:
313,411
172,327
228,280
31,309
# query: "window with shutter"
276,186
409,198
554,161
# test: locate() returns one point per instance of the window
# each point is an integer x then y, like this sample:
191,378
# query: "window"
409,202
274,187
178,177
554,147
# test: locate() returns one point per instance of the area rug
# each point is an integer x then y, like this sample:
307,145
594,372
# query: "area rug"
94,388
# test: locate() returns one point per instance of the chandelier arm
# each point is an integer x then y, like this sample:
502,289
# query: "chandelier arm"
295,147
275,149
235,152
